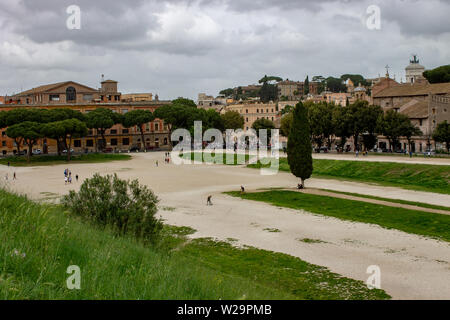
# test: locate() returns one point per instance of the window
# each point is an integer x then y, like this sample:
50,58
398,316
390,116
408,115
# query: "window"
165,141
125,141
156,127
71,94
420,122
3,133
125,131
77,143
114,142
246,119
246,110
89,143
54,97
113,131
3,143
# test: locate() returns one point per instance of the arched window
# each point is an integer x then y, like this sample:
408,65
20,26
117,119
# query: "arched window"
71,94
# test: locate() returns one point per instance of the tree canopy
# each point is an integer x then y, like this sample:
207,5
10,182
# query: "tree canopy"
438,75
233,120
442,134
299,147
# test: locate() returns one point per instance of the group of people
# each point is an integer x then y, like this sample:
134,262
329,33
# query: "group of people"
167,157
7,177
68,176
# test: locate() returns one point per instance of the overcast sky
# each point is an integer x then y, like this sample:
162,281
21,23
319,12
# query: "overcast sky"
183,47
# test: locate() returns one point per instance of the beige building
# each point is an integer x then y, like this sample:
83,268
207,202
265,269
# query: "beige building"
254,111
136,97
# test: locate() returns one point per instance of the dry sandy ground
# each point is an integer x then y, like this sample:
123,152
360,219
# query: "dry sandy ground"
412,267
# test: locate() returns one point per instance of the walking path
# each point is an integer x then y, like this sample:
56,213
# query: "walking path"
412,266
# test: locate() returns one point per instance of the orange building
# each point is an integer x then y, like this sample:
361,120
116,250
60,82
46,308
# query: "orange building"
76,96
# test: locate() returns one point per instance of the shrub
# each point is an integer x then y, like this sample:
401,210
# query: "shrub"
125,206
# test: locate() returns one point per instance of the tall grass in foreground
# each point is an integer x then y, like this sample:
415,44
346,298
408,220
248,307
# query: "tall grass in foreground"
38,243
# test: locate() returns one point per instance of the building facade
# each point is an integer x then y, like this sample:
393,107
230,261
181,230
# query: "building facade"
72,95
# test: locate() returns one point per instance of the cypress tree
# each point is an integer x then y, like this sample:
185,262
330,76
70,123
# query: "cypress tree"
299,147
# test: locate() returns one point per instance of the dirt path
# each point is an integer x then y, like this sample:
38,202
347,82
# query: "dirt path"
412,267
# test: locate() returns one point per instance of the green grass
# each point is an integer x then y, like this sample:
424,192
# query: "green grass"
45,160
223,160
38,242
422,177
422,223
412,203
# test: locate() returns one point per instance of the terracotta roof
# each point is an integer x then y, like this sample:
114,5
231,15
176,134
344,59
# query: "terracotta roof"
48,87
414,90
415,109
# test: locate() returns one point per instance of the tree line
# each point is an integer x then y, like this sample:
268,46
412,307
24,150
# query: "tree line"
330,123
28,125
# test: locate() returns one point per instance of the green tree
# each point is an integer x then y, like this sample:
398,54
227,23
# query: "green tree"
306,86
356,116
320,116
227,92
286,123
438,75
270,79
442,134
336,85
28,131
211,119
369,116
392,125
264,123
268,92
125,206
60,114
180,114
138,118
299,148
19,115
342,122
64,132
233,120
409,130
356,79
102,119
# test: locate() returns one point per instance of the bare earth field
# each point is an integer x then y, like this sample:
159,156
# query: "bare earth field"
412,267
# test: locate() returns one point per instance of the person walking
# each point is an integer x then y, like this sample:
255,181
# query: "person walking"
208,201
242,190
14,176
76,177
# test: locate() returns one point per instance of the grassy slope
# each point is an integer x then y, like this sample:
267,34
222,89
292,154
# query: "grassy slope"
431,178
411,221
53,160
122,268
